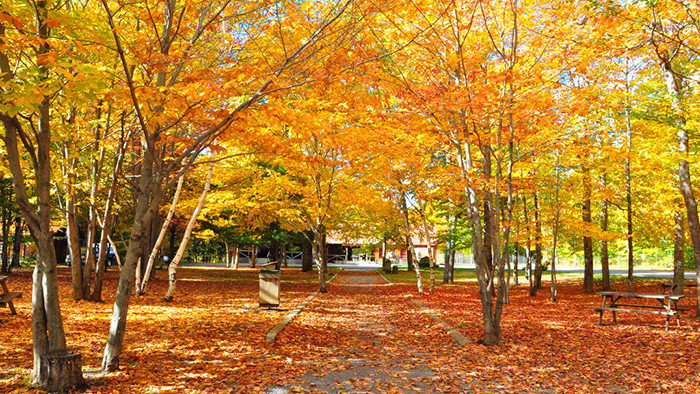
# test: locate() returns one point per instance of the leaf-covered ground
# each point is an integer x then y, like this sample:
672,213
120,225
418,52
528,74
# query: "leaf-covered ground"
364,335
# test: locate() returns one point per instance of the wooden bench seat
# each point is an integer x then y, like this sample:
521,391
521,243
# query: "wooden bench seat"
6,299
614,309
652,307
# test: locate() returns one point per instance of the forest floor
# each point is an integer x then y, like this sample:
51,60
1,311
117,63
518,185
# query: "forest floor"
364,336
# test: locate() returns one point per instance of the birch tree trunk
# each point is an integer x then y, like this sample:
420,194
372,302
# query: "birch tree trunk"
73,240
161,237
72,236
172,268
107,218
96,175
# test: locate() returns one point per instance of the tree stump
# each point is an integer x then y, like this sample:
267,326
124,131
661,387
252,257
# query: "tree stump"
61,370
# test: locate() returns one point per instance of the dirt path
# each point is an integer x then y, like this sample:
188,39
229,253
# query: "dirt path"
369,337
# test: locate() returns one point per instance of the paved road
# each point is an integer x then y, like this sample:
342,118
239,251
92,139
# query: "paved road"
666,274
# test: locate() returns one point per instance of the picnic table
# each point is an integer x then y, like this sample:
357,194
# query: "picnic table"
672,286
6,296
668,304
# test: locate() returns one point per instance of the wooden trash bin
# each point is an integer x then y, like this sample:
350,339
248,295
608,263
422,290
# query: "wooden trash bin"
269,288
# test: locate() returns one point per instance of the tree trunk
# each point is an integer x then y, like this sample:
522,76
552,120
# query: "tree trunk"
172,268
489,219
254,256
90,263
678,253
674,84
17,242
492,332
449,264
73,240
426,229
515,263
137,274
628,186
115,340
147,202
604,253
283,255
5,196
528,252
319,261
553,296
229,254
101,266
107,218
538,246
448,275
161,236
412,249
307,260
47,324
587,239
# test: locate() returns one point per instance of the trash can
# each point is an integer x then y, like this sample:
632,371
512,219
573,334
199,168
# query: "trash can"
269,288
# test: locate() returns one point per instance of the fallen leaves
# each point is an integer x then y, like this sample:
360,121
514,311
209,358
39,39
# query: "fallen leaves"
358,338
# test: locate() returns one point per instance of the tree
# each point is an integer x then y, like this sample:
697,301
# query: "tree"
167,98
31,79
669,40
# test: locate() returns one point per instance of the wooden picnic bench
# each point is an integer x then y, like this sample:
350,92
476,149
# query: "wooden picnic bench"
672,286
6,296
668,304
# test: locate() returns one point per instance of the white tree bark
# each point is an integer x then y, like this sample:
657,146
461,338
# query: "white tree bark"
172,268
161,236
